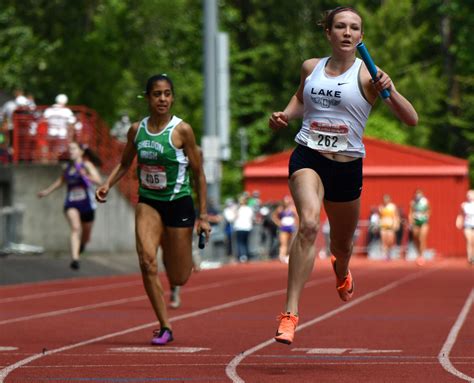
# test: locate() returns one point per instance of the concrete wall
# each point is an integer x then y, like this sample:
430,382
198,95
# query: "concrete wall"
5,185
44,223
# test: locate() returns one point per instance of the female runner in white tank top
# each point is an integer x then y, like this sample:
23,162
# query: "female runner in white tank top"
334,99
465,221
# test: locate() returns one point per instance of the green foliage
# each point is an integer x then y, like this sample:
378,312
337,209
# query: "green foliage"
24,56
101,52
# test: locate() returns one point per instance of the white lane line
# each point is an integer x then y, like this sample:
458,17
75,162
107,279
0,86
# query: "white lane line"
8,369
8,348
76,290
159,350
112,353
231,369
70,291
73,310
114,302
443,355
340,351
54,282
223,364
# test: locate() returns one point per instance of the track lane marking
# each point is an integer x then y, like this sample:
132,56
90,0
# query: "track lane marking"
443,355
69,291
116,302
77,290
231,369
73,310
9,368
223,364
54,282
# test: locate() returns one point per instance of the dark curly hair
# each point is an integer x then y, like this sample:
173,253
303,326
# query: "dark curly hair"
158,77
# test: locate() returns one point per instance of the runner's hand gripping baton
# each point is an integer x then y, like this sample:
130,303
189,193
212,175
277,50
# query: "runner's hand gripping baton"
364,54
202,240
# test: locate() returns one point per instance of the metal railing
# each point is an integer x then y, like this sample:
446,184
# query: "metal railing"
34,143
11,219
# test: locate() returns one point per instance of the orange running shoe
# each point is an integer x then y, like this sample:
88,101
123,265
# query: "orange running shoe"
287,327
344,287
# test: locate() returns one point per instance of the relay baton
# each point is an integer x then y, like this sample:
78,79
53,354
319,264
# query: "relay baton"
202,240
364,54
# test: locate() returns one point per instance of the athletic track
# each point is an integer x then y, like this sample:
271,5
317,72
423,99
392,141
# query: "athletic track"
405,324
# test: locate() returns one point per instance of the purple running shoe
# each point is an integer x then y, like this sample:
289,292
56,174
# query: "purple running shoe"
162,336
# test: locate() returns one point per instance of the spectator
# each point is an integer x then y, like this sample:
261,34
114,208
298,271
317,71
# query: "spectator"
213,213
230,213
31,103
400,232
6,116
4,154
373,233
418,219
465,221
120,128
243,225
60,121
269,234
254,201
389,224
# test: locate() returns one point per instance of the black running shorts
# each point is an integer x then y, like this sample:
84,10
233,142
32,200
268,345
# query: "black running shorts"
86,216
342,181
177,213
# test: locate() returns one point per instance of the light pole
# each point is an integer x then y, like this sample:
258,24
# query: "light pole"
215,142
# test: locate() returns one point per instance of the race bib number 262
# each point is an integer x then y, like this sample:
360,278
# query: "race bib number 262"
328,137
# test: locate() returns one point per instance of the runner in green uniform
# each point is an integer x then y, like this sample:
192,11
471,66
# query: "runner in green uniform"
418,218
166,148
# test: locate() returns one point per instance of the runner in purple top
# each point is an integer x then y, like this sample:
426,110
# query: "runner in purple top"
286,218
79,206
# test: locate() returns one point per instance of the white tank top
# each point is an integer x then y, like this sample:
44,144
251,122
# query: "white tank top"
335,111
468,208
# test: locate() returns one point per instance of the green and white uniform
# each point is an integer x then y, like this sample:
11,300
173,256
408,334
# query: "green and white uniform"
420,211
163,169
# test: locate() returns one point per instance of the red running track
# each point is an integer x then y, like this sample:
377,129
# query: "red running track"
405,324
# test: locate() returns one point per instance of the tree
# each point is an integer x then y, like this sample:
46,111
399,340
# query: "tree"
101,52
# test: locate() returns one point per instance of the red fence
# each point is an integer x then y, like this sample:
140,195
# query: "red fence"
34,142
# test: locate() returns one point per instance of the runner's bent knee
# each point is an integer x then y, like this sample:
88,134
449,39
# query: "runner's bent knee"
308,230
148,265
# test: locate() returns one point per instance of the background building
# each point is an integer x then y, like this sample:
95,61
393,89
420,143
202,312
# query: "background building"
394,169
